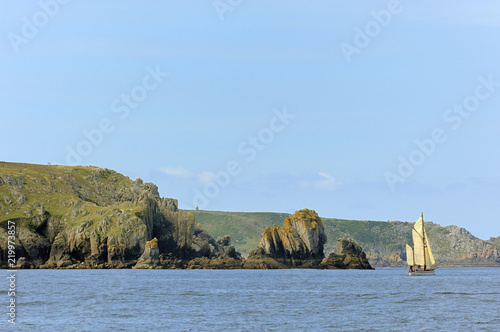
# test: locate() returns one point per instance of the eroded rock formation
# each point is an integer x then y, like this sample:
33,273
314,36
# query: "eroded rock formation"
300,243
89,217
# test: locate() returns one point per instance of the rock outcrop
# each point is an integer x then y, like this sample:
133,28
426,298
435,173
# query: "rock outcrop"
89,217
300,243
151,256
347,255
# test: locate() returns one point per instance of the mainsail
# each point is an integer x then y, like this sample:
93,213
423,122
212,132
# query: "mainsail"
409,255
422,253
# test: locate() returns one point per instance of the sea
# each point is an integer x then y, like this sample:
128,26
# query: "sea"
384,299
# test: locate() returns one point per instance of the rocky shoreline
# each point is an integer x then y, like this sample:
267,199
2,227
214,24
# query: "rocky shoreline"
92,218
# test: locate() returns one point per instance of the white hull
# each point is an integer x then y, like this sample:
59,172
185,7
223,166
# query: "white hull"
421,273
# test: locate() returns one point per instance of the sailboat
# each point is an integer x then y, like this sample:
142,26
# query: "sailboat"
419,256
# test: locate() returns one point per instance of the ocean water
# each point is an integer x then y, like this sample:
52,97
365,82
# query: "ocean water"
385,299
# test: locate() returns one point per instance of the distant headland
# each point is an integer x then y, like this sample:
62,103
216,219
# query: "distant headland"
55,216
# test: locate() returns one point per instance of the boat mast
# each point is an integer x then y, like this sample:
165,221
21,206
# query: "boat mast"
413,252
423,238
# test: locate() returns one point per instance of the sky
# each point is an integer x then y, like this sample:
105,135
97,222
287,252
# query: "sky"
369,110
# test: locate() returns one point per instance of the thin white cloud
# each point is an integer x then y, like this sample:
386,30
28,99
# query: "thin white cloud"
326,182
206,177
178,172
203,178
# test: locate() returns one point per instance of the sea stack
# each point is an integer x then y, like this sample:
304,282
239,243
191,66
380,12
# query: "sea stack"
298,243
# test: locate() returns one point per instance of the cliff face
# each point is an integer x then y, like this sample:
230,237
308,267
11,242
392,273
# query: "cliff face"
451,245
89,217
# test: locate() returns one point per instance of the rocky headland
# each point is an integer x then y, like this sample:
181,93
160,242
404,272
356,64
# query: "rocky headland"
89,217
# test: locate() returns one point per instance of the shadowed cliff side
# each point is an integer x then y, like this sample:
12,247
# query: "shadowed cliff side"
89,217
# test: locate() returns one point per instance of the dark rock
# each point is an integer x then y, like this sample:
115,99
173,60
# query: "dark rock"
348,255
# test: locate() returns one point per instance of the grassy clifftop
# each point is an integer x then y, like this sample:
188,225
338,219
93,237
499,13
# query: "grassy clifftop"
26,190
67,215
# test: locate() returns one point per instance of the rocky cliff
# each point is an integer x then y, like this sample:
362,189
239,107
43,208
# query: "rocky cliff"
300,243
451,245
91,217
382,241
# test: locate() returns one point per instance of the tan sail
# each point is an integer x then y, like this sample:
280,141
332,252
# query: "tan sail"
421,246
419,226
418,248
409,255
428,252
419,257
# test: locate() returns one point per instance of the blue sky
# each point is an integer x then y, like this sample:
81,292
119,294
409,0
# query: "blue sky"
257,105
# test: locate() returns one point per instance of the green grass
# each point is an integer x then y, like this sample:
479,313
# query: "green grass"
58,188
244,228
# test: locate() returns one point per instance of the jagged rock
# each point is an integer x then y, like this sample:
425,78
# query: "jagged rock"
151,256
17,195
348,255
224,241
214,263
170,203
60,254
37,247
22,263
300,240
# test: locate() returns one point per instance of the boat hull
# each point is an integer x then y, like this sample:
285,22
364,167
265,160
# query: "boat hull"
421,273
